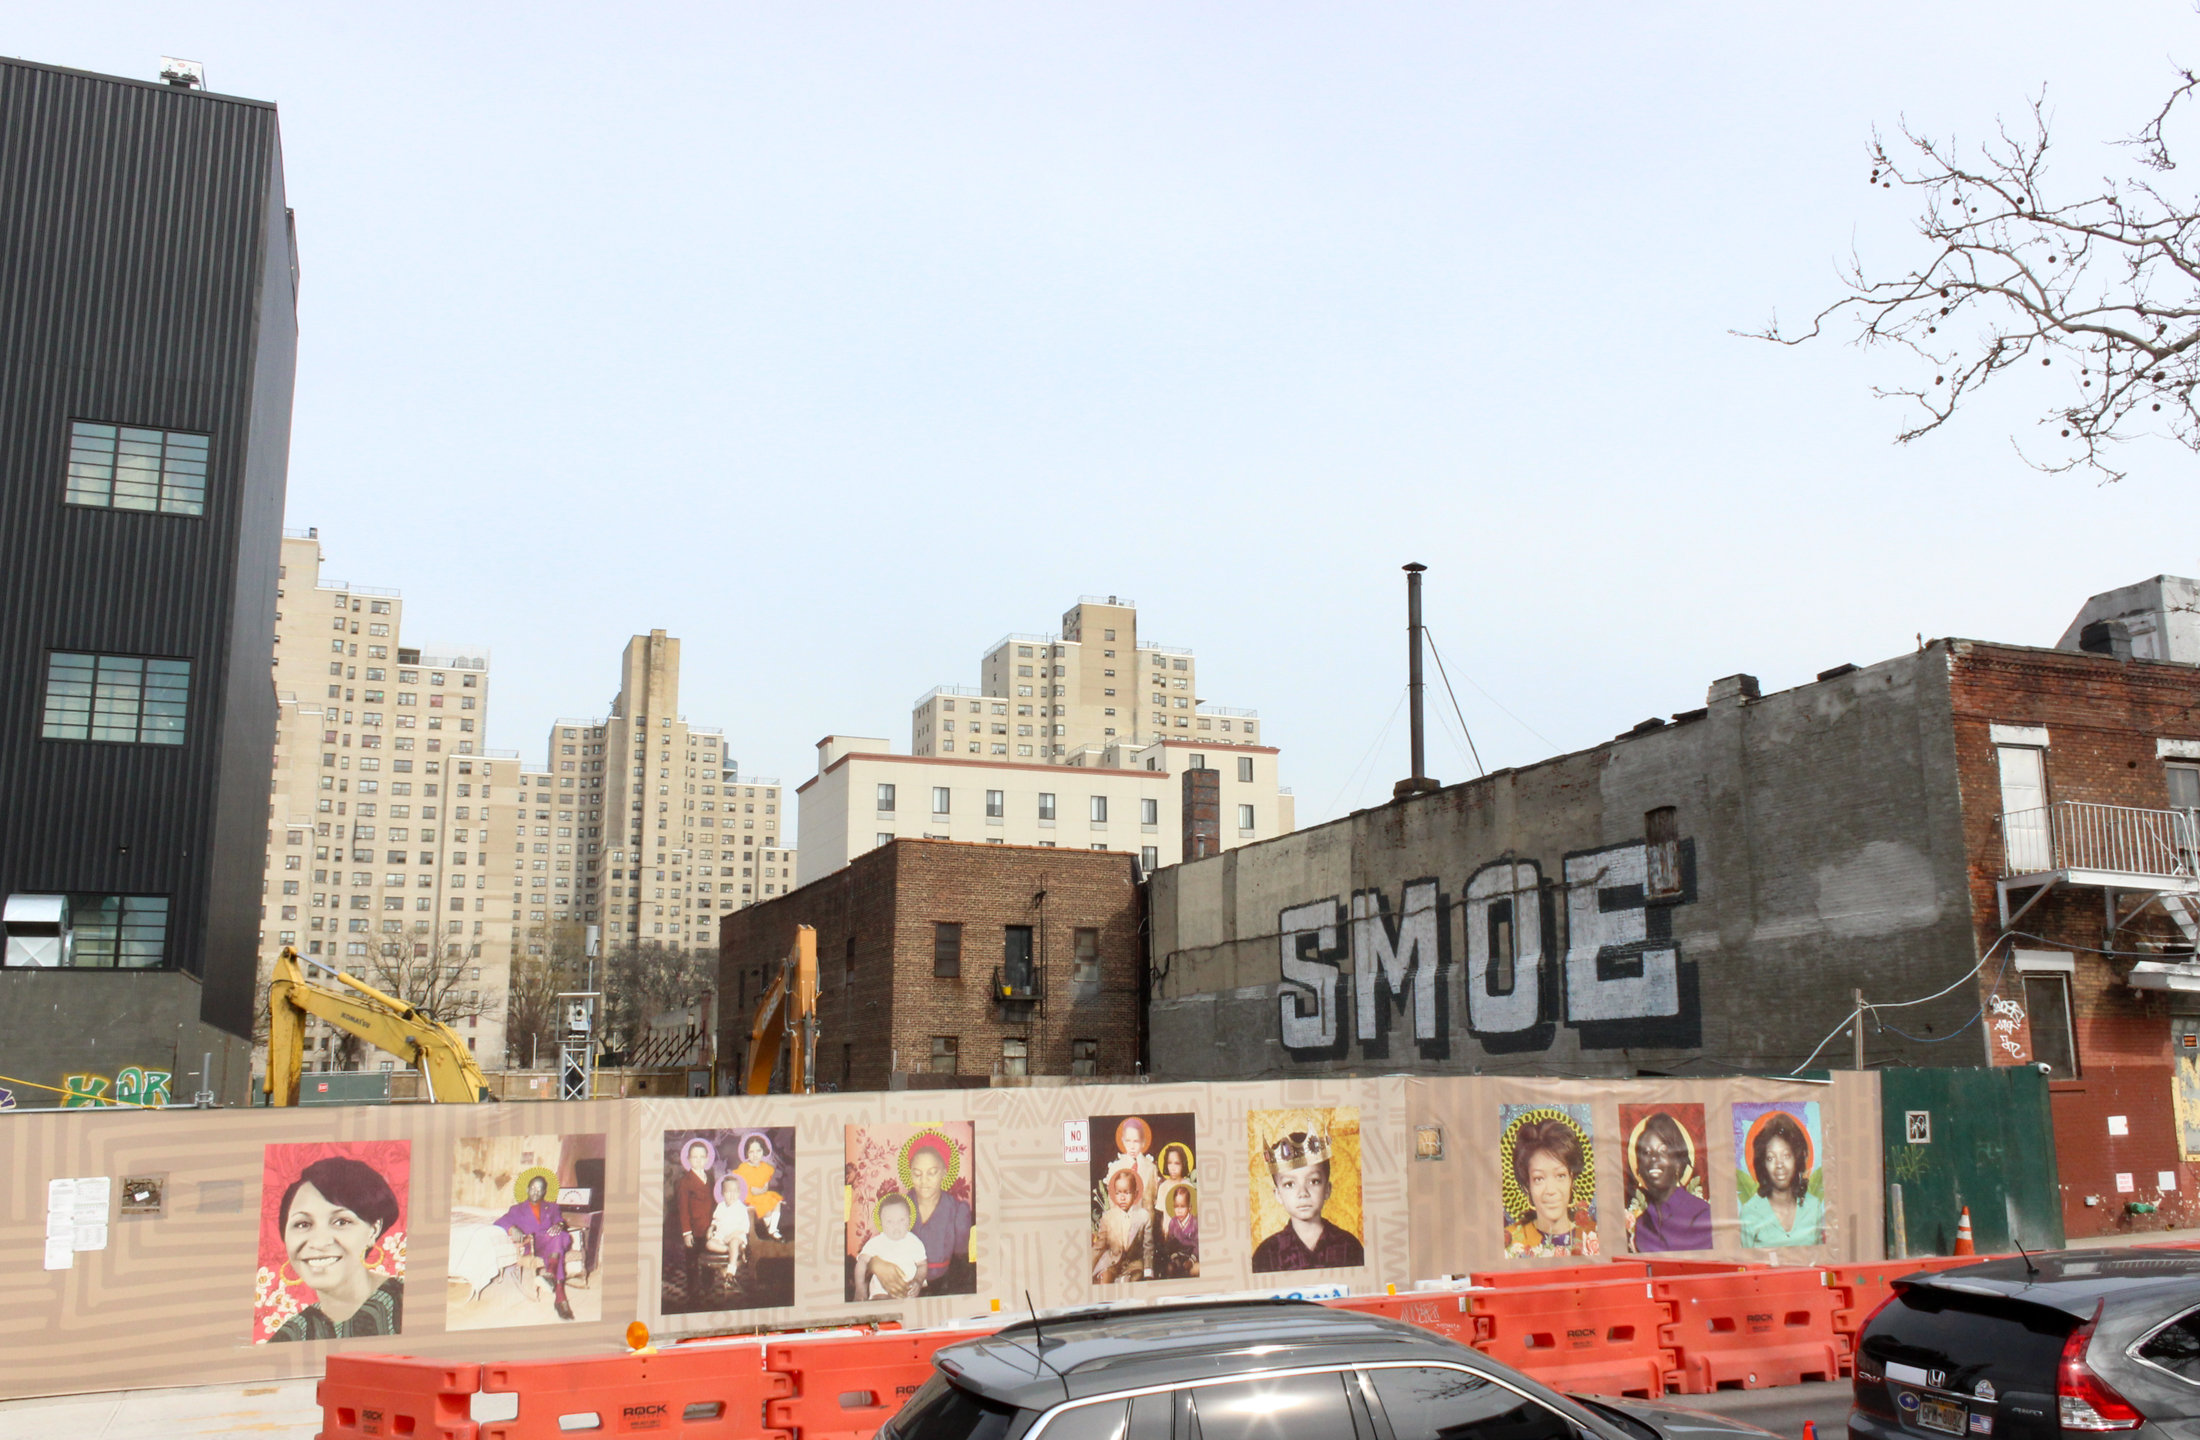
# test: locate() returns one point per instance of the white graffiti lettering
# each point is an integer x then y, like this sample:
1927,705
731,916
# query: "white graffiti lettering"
1515,886
1383,955
1308,977
1614,878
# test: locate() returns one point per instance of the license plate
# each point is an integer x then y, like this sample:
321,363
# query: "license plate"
1940,1415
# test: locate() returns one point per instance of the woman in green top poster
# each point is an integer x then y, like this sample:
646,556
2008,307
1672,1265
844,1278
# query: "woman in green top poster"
1777,1176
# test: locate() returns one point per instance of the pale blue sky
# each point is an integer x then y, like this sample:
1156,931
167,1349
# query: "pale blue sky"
919,321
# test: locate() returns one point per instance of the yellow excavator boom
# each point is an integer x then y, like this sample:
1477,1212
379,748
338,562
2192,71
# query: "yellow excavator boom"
383,1021
789,1007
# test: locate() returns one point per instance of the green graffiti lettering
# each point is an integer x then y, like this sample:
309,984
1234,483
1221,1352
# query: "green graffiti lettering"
142,1087
84,1091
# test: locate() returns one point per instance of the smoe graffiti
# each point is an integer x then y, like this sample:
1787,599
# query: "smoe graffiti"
1619,981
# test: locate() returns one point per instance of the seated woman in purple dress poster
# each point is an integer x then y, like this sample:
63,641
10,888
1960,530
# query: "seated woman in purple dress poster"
537,1226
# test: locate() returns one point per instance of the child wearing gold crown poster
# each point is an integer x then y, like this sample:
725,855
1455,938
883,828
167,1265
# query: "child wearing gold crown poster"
1306,1189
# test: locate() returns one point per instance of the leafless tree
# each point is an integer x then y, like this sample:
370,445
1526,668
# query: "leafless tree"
648,980
2106,286
445,985
534,1016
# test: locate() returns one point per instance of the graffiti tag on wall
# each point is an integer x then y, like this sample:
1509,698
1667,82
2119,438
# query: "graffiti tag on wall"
2012,1037
130,1086
1620,980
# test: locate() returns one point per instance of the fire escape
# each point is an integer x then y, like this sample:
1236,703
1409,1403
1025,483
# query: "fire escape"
2137,859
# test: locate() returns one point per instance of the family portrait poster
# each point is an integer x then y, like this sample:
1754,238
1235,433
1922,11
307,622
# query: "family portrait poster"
526,1231
1668,1203
1546,1163
911,1206
333,1221
1779,1173
1144,1176
1304,1179
729,1230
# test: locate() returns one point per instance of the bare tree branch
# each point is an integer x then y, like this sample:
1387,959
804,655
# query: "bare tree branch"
2108,286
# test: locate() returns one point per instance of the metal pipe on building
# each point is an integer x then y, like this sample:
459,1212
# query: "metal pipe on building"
1419,780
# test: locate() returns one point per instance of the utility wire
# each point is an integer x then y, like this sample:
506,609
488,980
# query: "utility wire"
1440,670
1854,1014
1486,695
1379,739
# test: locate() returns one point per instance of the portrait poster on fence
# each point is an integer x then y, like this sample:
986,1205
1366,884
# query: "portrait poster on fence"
1305,1188
1668,1204
1779,1174
1145,1198
911,1203
527,1214
729,1220
1546,1164
332,1240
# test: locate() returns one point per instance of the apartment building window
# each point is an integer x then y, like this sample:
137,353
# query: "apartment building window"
885,797
943,1053
1099,809
2024,808
117,698
939,799
1245,769
1084,1057
884,838
88,932
996,804
1149,858
1015,1055
122,467
947,950
1245,817
1087,955
1149,812
1046,807
1197,762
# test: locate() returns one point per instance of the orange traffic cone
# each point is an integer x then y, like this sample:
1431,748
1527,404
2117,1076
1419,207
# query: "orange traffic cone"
1963,1235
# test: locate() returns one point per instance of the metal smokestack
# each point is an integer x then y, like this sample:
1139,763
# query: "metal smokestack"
1419,780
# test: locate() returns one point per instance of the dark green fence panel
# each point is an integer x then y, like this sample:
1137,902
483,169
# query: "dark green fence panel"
1982,1138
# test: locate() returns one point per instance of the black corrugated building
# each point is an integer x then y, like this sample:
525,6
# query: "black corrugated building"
148,343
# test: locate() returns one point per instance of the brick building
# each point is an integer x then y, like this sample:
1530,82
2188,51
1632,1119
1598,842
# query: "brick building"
2080,778
943,964
1995,845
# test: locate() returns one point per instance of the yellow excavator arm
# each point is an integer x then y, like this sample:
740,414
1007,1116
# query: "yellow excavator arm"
789,1008
383,1021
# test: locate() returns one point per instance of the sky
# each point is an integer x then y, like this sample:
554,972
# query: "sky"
912,324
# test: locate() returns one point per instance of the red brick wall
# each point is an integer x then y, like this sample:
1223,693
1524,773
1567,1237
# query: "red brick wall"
2103,717
882,1018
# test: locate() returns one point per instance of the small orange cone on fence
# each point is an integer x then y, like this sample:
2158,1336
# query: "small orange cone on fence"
1963,1235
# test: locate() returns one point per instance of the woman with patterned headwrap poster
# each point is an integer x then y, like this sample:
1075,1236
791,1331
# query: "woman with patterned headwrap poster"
1547,1172
932,1166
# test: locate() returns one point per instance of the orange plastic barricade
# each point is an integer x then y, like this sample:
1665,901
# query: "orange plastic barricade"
1752,1329
1444,1312
1859,1289
1604,1338
697,1394
1542,1276
386,1395
843,1387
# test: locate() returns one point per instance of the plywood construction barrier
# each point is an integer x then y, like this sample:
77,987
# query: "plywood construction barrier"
537,1231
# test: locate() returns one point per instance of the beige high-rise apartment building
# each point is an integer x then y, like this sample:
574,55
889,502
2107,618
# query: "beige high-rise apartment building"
384,802
643,824
1050,699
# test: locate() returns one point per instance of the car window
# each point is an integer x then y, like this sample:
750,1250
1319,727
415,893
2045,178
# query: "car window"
2176,1346
1100,1421
1969,1338
1287,1407
1150,1416
1438,1404
941,1410
1617,1416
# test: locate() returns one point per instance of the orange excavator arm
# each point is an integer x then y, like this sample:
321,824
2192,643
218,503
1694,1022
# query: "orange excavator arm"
787,1011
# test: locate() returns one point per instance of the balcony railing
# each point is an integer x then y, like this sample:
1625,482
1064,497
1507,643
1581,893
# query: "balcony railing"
2072,835
1022,987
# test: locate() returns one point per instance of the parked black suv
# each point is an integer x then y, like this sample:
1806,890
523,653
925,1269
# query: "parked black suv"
1258,1370
2026,1349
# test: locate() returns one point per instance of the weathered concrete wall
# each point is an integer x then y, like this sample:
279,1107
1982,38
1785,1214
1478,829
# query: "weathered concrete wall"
1819,849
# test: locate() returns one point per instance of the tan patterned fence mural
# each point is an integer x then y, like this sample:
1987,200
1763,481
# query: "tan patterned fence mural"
468,1232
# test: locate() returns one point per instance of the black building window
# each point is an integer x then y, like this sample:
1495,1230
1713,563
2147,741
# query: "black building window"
947,949
88,932
1088,955
121,467
118,698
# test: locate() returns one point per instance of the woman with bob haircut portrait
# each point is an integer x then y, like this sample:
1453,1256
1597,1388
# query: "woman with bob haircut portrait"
334,1216
1783,1212
1547,1155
